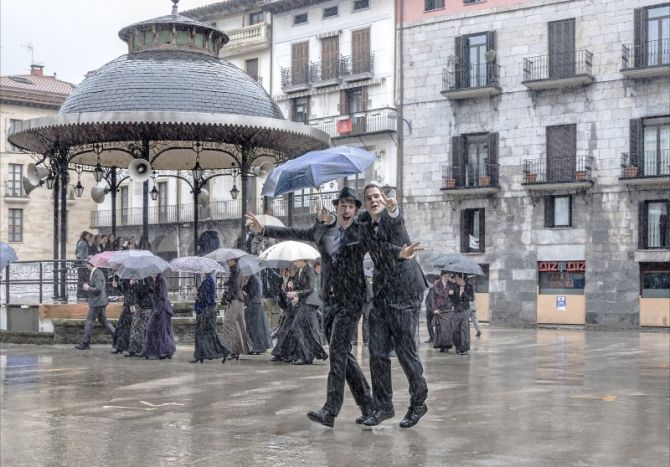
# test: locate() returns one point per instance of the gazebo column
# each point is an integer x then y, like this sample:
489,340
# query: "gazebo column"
196,213
56,254
64,182
144,241
113,190
245,166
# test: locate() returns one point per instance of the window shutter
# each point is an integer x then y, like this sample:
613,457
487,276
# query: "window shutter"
665,226
455,156
642,227
464,231
570,211
548,211
482,230
344,103
291,110
458,52
635,142
491,40
639,37
364,98
492,169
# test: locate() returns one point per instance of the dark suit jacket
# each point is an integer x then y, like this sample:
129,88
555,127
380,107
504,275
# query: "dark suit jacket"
253,290
342,282
304,285
392,277
97,292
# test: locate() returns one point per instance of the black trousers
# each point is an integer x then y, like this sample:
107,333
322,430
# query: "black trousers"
95,312
340,322
393,324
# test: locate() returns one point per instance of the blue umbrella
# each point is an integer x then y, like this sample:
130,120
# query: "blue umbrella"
7,255
316,168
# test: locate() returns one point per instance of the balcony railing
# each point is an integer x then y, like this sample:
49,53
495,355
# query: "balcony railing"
456,177
473,76
247,37
213,211
296,77
325,71
563,69
558,169
645,55
359,123
652,164
359,67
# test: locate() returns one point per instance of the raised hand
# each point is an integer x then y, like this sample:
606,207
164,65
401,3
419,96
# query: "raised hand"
409,251
253,223
325,216
390,203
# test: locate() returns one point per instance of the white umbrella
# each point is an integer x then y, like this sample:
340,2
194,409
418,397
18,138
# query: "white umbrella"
249,265
195,265
139,267
120,256
266,219
222,255
290,251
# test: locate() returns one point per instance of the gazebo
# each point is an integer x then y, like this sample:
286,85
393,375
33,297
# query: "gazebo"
172,102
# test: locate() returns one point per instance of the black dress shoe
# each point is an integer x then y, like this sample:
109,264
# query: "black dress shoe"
366,411
276,359
196,360
82,347
321,416
377,417
116,351
413,415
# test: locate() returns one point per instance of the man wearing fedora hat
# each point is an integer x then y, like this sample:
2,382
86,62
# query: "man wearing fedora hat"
342,245
97,302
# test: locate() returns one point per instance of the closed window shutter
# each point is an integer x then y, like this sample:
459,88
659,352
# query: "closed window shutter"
635,142
344,103
665,227
548,211
570,211
458,52
642,228
464,231
490,40
455,155
482,230
640,37
492,169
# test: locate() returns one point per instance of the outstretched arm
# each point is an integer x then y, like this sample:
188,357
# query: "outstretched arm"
283,233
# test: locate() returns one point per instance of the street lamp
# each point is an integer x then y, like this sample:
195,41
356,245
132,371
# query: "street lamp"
197,171
234,192
50,182
154,193
98,173
79,189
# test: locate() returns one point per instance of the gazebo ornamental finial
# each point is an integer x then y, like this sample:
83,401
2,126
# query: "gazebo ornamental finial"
175,11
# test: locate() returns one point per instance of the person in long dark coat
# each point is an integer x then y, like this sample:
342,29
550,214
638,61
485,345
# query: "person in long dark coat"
208,344
121,340
302,343
159,339
460,318
445,296
342,245
141,311
289,311
394,318
234,328
254,316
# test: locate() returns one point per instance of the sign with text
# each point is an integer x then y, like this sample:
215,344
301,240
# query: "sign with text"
561,266
561,302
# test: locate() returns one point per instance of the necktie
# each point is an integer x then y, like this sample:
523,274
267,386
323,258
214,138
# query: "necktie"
375,227
337,240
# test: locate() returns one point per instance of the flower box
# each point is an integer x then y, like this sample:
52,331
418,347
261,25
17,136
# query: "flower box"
531,178
630,171
449,183
484,180
581,175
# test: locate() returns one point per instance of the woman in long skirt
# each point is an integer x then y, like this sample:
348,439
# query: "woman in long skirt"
460,318
141,311
234,328
280,351
208,344
121,340
302,344
159,340
254,316
445,291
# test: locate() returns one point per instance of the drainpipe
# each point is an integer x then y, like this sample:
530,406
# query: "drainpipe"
400,84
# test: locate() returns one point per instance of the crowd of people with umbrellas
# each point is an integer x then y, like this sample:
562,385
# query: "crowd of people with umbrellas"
322,301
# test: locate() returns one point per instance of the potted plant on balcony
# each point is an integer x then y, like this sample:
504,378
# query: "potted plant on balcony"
490,56
630,171
484,180
448,183
580,175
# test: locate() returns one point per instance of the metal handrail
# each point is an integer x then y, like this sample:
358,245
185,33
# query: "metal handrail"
558,66
646,54
560,170
357,123
469,176
473,76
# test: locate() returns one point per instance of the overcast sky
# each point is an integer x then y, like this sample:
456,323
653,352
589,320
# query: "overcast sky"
71,37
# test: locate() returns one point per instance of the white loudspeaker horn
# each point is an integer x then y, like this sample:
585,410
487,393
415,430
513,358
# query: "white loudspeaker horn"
28,185
98,194
203,198
35,174
263,169
139,170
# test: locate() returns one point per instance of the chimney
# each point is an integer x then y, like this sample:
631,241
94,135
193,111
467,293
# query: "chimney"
37,70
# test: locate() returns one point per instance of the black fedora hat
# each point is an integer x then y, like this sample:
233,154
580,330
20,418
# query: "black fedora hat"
348,194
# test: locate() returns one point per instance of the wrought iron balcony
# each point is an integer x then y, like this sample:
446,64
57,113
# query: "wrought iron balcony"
295,78
325,72
357,68
558,70
246,39
646,60
463,82
359,123
557,172
469,179
652,169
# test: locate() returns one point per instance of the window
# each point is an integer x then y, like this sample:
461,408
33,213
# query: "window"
558,211
162,202
255,17
650,145
561,153
123,191
474,159
472,230
476,56
14,180
300,19
361,4
655,280
300,110
330,12
561,49
433,4
353,102
251,66
473,1
15,225
330,57
10,146
562,282
361,58
652,35
653,224
300,63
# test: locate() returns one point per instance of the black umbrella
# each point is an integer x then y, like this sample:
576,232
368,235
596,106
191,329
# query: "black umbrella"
456,263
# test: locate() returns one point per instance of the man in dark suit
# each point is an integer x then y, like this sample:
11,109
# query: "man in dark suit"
342,246
398,292
97,302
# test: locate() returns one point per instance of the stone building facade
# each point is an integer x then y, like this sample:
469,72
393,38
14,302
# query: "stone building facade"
26,220
541,148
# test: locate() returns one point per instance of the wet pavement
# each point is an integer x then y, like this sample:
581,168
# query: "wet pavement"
523,397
